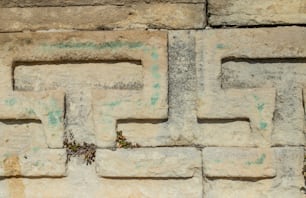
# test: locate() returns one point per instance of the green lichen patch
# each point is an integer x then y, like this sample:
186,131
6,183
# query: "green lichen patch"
123,143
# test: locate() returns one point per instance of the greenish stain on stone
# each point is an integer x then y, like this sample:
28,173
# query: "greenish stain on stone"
217,161
155,71
35,149
154,99
55,114
263,125
156,86
220,46
36,163
260,107
256,97
6,155
258,161
96,46
154,55
113,103
30,112
11,101
54,117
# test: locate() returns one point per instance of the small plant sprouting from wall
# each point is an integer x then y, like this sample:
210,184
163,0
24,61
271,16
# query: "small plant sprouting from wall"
74,149
123,143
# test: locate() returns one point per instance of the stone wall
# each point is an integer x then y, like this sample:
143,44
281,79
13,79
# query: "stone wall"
154,98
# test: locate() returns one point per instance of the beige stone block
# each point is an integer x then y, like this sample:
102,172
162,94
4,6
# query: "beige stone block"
42,3
166,16
110,188
152,188
134,64
238,162
288,161
149,162
46,108
248,12
36,162
218,134
255,75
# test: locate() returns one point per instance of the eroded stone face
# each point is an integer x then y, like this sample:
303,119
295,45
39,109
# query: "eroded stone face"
230,125
248,12
250,83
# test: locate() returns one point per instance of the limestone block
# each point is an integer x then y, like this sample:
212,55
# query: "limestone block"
255,76
237,162
46,108
36,162
288,181
111,188
149,103
152,188
42,3
248,12
218,134
160,15
149,162
134,86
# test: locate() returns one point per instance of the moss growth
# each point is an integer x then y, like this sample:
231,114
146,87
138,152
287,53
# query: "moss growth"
123,143
74,149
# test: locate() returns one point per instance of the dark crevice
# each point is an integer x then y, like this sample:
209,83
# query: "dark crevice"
253,26
31,177
221,121
146,178
264,60
247,179
141,121
19,121
61,62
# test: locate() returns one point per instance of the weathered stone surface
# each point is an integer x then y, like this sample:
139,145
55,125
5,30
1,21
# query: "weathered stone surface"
287,183
36,162
149,162
149,103
237,162
27,107
182,127
167,16
152,188
289,163
93,103
112,188
34,3
218,134
249,12
181,124
223,62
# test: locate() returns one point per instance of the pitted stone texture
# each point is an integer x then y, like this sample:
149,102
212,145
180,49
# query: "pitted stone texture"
166,16
43,3
36,162
182,127
47,108
111,106
152,188
289,163
110,188
249,12
93,103
288,181
182,121
220,98
237,162
149,162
